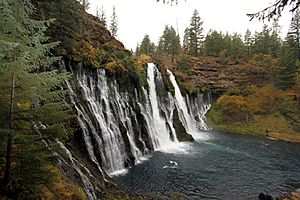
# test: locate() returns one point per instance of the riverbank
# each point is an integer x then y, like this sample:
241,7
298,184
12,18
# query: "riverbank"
291,196
265,111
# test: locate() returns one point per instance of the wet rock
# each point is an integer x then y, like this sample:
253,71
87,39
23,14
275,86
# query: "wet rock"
263,196
182,135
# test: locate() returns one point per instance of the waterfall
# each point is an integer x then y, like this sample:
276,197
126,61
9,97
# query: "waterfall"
160,128
189,109
198,108
88,186
119,128
101,111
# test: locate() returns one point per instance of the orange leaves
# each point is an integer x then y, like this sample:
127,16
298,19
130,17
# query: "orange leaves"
89,54
237,101
142,60
114,65
253,101
233,107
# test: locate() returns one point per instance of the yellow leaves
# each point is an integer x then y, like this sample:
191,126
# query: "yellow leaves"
60,188
241,105
141,61
114,65
234,108
236,101
24,105
89,54
144,58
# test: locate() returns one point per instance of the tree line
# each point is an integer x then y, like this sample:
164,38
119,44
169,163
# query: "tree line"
231,46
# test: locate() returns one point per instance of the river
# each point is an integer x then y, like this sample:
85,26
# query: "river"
217,166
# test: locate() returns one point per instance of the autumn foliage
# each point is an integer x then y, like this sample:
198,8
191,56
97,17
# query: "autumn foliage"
257,110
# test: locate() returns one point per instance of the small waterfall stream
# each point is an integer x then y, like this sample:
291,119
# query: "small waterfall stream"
189,109
118,128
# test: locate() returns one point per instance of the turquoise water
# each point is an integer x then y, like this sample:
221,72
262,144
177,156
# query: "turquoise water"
217,166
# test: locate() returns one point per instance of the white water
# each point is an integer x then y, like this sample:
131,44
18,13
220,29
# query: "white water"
85,121
188,110
161,135
99,122
111,131
185,117
88,186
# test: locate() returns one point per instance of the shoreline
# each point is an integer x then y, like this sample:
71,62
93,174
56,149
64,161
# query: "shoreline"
271,135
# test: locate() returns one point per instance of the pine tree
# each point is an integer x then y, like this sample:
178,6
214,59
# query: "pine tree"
186,37
294,34
68,19
290,55
214,43
100,14
236,48
266,42
31,98
137,50
195,35
147,47
114,23
169,42
248,41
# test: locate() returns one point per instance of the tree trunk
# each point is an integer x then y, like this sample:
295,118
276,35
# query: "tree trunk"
9,141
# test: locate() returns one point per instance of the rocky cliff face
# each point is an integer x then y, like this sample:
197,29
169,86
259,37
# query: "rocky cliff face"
212,73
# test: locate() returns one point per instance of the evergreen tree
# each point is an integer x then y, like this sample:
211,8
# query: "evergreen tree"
237,47
146,47
195,35
186,37
248,41
31,98
290,55
68,20
214,43
114,23
169,42
289,67
137,50
266,42
294,34
100,14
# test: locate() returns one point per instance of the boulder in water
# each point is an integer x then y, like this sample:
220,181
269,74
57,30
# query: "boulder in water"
263,196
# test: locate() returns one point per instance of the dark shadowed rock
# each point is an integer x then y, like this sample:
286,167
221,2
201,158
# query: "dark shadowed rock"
182,135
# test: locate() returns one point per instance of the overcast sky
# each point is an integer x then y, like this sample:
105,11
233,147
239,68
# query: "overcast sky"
139,17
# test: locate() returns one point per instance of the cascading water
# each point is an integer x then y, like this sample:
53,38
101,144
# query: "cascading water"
188,111
198,109
118,128
88,186
160,129
100,119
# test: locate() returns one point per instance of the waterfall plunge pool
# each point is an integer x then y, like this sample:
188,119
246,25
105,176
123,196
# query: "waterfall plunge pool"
217,166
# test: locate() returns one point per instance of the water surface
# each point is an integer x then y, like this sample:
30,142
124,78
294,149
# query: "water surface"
218,166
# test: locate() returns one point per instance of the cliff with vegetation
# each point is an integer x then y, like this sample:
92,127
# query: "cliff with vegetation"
34,163
248,97
256,94
254,79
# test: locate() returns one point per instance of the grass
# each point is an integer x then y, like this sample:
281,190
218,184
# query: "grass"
273,126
